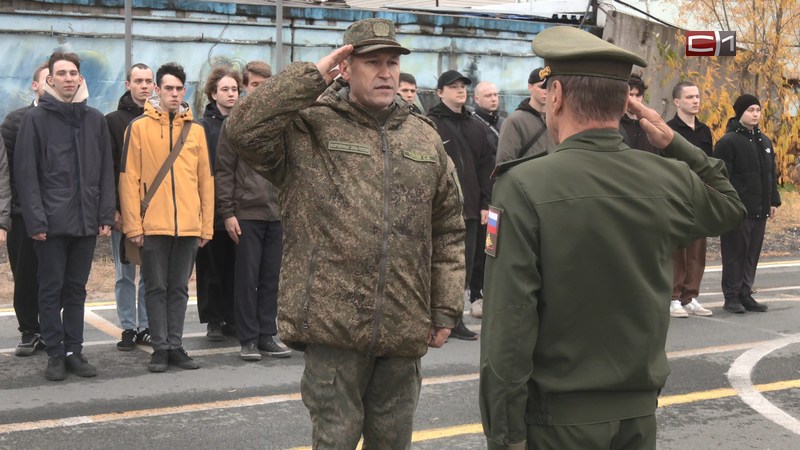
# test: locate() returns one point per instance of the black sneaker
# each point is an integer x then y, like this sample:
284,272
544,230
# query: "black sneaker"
56,368
158,361
462,332
250,352
750,304
228,329
77,364
128,341
143,337
268,346
179,357
733,305
28,344
214,331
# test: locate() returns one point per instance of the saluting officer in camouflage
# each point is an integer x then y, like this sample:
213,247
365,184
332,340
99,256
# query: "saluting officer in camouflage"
579,260
373,262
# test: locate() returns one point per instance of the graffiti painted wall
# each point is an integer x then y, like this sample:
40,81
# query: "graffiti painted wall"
207,33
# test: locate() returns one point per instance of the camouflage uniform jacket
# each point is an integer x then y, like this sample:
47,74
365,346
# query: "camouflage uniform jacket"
373,233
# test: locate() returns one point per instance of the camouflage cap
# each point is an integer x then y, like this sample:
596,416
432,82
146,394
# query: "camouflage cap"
570,51
372,34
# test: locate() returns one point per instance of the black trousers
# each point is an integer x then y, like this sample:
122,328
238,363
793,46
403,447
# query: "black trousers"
24,267
64,266
166,267
258,267
476,281
469,247
741,249
215,272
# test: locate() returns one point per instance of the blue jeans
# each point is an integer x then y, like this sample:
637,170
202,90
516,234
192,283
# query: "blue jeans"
125,290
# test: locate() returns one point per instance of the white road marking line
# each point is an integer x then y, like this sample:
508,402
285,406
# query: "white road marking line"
739,377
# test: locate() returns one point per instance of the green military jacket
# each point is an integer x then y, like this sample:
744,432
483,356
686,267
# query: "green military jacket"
371,213
576,297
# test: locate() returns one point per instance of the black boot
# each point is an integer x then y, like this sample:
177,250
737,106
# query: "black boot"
462,332
751,305
733,305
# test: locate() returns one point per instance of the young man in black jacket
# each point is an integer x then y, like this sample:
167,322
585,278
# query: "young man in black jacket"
216,261
750,160
65,180
465,141
139,86
21,256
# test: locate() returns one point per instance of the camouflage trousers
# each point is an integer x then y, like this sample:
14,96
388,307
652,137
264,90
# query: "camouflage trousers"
349,395
631,434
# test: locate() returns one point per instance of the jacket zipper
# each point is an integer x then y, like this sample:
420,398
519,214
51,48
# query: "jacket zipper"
765,184
387,174
312,267
172,177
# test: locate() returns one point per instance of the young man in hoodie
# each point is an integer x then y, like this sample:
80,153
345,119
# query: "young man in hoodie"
464,138
139,86
216,261
524,132
21,255
750,159
180,215
65,179
632,133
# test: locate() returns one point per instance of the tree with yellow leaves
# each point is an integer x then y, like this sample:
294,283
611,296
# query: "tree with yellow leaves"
767,65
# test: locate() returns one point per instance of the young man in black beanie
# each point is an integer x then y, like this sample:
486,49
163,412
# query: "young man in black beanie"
750,160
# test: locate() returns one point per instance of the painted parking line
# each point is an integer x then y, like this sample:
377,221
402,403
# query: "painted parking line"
739,376
422,435
715,394
761,265
715,268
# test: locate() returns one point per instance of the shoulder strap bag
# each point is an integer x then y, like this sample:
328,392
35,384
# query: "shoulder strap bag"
131,254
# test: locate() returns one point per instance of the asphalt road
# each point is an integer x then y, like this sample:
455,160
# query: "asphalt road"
734,385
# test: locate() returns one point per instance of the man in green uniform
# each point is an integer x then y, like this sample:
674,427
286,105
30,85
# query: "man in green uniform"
373,264
580,260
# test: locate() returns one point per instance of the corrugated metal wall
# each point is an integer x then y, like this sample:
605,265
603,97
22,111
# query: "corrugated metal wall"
200,34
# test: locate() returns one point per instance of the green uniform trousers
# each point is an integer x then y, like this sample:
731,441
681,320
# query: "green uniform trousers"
631,434
349,395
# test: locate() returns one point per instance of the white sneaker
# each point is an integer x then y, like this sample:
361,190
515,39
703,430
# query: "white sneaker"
476,310
694,307
676,310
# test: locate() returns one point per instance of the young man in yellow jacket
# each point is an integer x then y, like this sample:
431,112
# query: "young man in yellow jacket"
180,216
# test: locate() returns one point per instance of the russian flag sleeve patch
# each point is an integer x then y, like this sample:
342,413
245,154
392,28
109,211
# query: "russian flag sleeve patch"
492,230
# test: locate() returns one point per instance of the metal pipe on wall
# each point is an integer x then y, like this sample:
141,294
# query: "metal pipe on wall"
128,34
278,64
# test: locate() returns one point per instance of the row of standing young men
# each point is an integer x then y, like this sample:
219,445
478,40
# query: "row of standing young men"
52,171
523,134
460,129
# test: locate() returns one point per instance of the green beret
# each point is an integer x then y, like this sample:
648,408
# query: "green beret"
372,34
570,51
